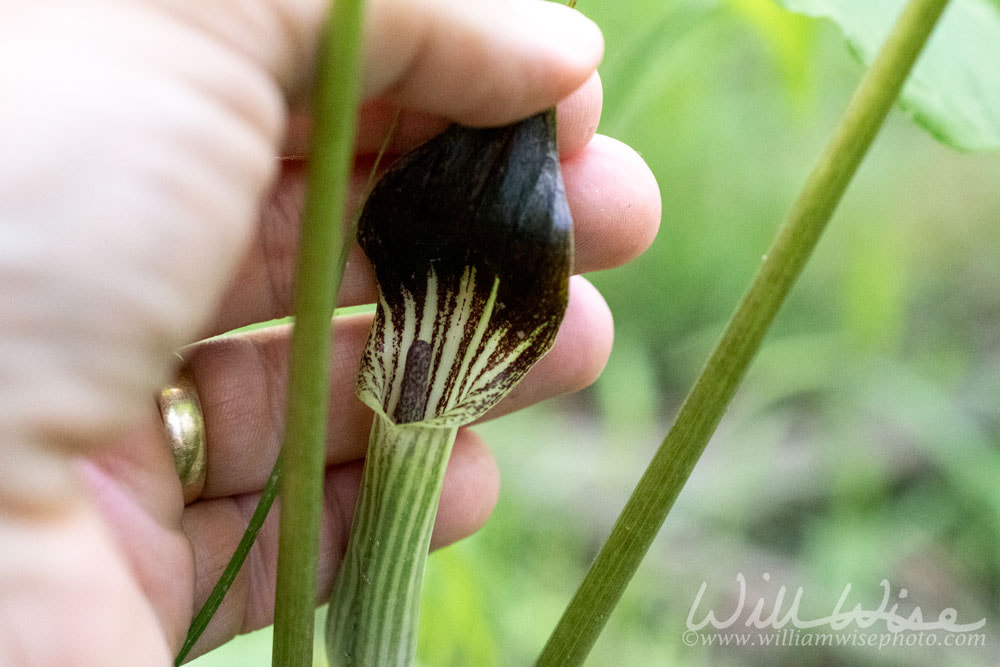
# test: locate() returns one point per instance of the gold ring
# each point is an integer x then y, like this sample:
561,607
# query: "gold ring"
185,427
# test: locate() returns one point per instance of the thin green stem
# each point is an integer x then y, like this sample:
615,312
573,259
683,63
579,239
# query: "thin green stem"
270,490
375,605
323,244
672,464
218,593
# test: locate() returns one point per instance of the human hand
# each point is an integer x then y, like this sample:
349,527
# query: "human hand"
142,208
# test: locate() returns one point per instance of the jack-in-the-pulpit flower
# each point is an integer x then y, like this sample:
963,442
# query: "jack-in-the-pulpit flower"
471,240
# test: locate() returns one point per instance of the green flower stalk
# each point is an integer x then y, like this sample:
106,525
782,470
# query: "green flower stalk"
470,236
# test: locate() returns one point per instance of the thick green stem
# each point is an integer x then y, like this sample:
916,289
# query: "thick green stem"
376,599
317,282
666,474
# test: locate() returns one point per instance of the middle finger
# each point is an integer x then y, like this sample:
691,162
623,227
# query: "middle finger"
262,288
612,195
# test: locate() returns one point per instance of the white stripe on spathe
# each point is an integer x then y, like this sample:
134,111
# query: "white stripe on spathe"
474,359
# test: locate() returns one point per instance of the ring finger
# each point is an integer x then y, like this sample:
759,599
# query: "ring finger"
242,384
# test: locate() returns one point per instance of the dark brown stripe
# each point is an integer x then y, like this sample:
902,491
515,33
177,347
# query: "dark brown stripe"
413,390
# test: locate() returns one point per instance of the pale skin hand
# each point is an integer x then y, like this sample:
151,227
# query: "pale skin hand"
142,208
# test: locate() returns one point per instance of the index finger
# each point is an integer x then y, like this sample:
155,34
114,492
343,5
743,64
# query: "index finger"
477,63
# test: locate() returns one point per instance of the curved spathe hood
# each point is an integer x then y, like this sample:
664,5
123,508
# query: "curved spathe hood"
471,239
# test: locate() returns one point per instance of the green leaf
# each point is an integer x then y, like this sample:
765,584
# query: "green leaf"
954,92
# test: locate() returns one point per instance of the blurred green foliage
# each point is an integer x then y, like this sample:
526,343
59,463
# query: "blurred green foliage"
954,91
864,444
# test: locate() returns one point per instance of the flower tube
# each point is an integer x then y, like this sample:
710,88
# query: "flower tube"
471,240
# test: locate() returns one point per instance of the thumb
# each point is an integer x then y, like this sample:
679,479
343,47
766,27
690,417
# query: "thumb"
138,146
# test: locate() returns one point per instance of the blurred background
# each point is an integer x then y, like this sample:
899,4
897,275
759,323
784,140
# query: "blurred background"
863,446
